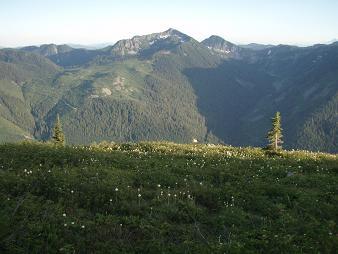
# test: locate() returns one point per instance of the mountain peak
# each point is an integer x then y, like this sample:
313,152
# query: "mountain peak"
221,47
171,30
216,39
137,44
174,32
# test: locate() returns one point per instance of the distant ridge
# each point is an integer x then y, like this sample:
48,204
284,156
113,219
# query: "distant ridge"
256,46
48,49
90,46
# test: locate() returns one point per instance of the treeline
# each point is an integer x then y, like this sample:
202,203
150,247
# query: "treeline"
274,136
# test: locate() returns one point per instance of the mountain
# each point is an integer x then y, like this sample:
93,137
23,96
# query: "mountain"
302,78
63,55
148,44
332,41
222,47
168,86
48,49
246,92
256,46
17,68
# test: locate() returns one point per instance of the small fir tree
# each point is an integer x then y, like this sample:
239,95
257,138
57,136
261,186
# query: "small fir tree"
58,137
275,134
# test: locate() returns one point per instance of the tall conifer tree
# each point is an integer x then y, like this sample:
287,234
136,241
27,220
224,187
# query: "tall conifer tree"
58,137
275,134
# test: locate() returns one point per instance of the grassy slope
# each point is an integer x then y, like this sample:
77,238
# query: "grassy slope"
222,199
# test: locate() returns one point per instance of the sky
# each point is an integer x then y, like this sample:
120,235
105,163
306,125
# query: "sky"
297,22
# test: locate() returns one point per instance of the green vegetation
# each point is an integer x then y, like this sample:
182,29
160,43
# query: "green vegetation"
168,86
9,132
166,198
58,137
275,134
314,136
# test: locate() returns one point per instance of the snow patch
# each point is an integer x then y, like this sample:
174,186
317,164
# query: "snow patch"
164,36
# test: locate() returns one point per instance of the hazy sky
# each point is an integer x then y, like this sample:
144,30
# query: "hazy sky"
302,22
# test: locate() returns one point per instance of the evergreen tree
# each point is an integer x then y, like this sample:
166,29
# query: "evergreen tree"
275,134
58,137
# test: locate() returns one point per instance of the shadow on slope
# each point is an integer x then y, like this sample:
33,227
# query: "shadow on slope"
224,96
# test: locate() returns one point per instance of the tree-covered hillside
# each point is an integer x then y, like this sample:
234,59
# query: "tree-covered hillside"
239,97
168,86
18,69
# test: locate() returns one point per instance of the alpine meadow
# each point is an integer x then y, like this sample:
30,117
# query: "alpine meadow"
169,142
